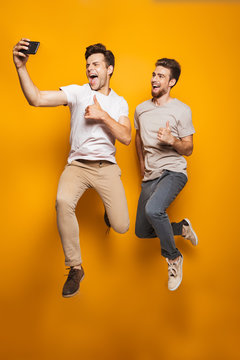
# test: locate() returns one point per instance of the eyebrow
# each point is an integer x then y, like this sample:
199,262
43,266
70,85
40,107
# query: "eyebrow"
94,63
159,74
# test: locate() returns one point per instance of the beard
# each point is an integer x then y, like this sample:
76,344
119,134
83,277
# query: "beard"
160,93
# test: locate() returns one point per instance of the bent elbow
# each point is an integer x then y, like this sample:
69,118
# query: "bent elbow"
33,102
128,139
189,152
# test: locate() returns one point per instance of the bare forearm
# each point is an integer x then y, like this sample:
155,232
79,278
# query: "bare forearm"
33,95
138,145
139,149
182,147
121,132
31,92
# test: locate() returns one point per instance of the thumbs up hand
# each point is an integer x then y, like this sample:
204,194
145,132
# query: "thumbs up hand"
94,111
164,135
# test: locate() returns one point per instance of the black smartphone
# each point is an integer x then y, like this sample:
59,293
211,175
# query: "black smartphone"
32,48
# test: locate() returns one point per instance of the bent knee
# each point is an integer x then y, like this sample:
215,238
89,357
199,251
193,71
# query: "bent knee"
121,228
63,203
153,213
139,234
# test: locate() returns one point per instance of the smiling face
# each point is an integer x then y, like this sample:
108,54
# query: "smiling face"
98,73
161,83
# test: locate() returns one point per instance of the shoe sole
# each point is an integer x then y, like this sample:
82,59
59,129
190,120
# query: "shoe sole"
189,223
176,287
76,292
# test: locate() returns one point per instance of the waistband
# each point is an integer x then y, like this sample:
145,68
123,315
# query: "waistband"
94,163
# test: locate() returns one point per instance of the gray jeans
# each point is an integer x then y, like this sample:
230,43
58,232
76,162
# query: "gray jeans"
152,219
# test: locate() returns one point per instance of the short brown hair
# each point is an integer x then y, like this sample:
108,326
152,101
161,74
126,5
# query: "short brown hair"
101,49
172,65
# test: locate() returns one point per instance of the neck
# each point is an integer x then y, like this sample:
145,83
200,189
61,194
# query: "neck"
164,99
105,90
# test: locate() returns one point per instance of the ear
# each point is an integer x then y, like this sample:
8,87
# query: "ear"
172,82
110,70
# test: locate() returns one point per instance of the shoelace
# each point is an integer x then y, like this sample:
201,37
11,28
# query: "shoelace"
71,272
172,270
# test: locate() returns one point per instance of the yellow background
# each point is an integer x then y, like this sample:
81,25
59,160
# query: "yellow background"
124,310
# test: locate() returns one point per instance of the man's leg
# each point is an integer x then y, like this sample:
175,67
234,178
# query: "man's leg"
166,190
168,187
143,228
184,228
72,185
109,186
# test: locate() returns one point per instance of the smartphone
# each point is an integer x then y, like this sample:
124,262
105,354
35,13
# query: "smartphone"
32,48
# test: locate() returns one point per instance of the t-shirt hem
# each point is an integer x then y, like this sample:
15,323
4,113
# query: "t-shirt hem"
187,134
67,95
159,174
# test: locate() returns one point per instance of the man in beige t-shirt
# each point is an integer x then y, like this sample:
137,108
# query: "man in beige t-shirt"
164,133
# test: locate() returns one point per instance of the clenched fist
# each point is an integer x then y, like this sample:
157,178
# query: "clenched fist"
165,136
94,111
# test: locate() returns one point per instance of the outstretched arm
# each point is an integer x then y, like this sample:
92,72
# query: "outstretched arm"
34,96
121,130
183,146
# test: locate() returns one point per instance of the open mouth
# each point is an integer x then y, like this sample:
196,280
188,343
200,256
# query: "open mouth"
155,86
93,79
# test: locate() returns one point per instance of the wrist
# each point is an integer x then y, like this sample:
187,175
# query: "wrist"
172,141
21,68
105,117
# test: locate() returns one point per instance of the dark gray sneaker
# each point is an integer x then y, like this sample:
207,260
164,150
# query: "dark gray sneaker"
72,284
106,219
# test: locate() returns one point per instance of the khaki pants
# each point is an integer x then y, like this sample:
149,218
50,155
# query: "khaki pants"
77,177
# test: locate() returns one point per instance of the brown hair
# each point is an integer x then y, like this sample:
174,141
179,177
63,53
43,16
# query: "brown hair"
101,49
172,65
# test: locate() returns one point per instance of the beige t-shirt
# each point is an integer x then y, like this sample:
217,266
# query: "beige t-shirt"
148,118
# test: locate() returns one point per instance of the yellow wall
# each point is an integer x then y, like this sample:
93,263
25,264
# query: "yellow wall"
124,310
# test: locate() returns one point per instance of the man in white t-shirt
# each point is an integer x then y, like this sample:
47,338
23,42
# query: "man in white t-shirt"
98,117
164,133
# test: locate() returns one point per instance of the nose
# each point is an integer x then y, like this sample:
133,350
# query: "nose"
89,68
153,78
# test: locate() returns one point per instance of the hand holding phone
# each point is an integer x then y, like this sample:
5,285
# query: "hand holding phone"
22,50
32,48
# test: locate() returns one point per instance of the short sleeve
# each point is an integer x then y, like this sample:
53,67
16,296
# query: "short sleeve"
185,125
136,121
71,92
123,111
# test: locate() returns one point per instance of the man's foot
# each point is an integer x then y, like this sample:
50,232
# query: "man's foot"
188,232
106,219
174,273
72,284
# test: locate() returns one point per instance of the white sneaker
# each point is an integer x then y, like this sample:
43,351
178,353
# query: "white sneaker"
189,233
174,273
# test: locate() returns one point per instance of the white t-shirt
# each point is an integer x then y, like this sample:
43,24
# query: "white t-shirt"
89,139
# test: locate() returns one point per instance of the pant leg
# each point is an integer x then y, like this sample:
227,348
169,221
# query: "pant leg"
72,185
177,227
110,188
143,228
168,187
